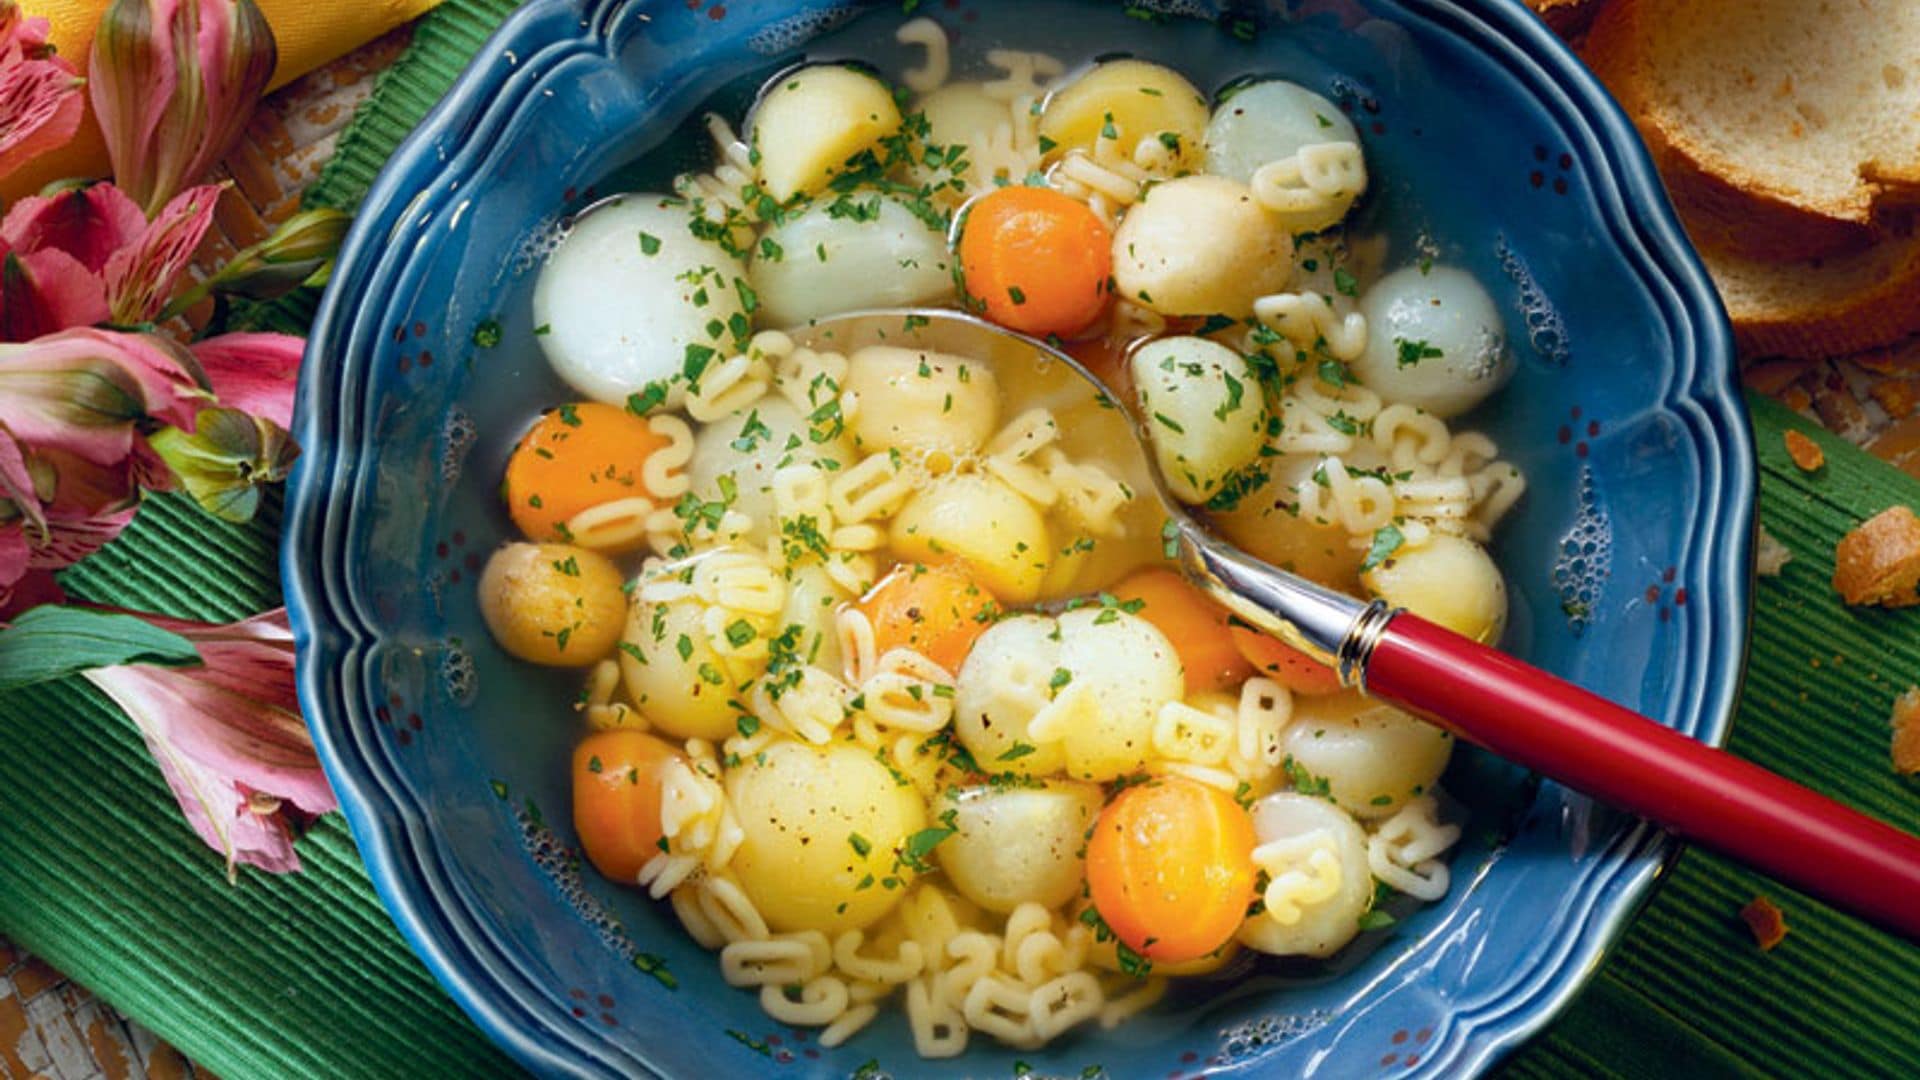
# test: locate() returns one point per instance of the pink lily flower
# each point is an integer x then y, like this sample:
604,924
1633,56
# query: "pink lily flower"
228,737
174,82
40,102
89,418
88,255
252,372
72,460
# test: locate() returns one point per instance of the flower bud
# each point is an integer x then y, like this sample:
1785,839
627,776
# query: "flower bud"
297,249
173,83
224,462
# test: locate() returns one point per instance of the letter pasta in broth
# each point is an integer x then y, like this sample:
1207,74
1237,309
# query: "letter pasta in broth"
893,698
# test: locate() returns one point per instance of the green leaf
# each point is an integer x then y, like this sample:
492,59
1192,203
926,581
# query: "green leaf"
1386,540
1376,920
1017,751
51,642
649,964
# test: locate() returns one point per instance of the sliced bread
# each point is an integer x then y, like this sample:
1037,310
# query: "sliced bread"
1784,128
1822,307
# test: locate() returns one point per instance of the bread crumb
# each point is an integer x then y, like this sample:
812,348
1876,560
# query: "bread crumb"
1805,452
1770,555
1879,562
1897,396
1906,732
1768,923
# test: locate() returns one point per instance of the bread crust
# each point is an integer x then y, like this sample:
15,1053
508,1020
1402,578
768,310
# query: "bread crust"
1856,312
1728,207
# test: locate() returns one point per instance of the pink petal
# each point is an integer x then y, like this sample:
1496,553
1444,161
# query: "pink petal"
255,373
28,590
40,109
88,223
71,539
133,79
226,730
17,487
13,560
215,806
16,483
82,390
239,711
237,57
47,291
174,83
28,35
141,278
88,506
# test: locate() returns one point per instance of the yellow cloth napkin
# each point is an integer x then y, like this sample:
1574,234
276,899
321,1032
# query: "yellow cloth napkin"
309,33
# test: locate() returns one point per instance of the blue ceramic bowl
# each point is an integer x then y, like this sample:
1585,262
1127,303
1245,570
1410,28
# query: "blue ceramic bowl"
1628,560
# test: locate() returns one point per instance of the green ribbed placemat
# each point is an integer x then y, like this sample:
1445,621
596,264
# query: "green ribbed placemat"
1687,993
304,976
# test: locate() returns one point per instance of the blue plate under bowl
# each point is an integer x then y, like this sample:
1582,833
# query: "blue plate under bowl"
1489,146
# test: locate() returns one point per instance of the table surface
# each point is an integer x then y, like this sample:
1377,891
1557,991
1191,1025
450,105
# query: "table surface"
304,975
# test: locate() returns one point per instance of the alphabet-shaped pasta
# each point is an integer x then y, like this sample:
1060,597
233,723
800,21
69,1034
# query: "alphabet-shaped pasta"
1184,733
1302,871
1003,1009
717,195
1314,186
1412,437
939,1031
906,962
1265,709
932,72
1307,318
909,692
613,526
686,906
1360,504
857,647
776,961
847,1024
664,473
809,379
739,581
874,488
730,912
1008,455
811,705
1024,74
1404,852
819,1001
1090,494
728,387
1059,1004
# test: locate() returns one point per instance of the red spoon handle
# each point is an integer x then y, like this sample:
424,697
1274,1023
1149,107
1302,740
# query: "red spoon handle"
1619,757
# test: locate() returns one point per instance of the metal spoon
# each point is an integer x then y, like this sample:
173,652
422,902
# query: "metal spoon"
1484,696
